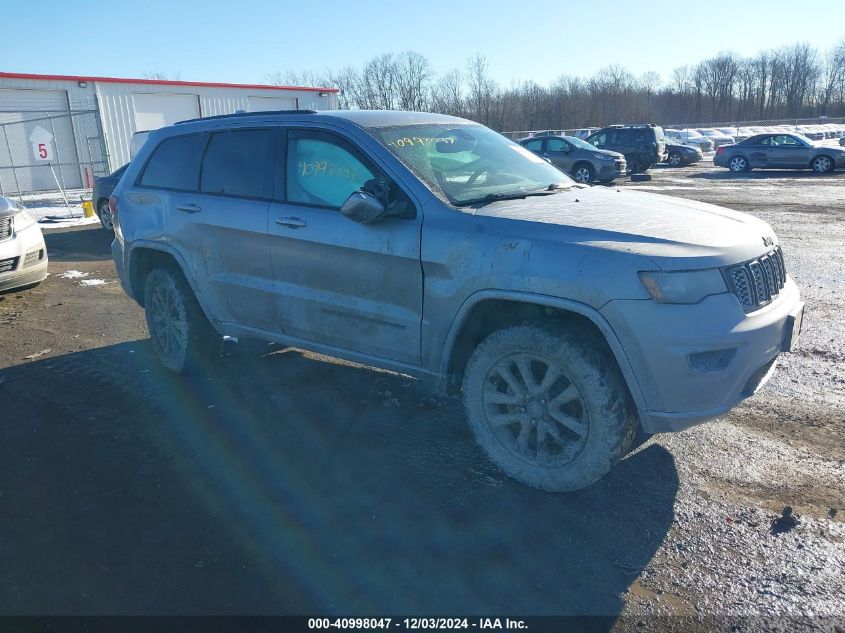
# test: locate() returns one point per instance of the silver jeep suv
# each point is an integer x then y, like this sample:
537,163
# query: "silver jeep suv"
433,246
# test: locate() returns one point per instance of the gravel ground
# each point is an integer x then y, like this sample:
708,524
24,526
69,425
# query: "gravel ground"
281,483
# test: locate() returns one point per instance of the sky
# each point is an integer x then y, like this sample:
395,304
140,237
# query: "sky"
539,40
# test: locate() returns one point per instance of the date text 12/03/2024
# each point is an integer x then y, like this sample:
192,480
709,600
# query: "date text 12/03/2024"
416,623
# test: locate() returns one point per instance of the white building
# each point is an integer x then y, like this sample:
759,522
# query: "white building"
92,119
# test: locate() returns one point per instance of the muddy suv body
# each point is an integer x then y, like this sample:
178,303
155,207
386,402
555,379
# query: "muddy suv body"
565,315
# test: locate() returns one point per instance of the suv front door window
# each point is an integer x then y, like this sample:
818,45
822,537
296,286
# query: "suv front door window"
560,153
345,284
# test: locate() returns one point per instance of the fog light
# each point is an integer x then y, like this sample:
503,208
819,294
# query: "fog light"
708,362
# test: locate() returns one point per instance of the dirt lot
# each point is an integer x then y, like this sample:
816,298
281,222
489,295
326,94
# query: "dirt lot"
284,484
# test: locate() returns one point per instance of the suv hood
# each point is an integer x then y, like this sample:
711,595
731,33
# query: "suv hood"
676,234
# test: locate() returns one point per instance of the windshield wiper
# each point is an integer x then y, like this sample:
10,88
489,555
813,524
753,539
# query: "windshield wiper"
513,195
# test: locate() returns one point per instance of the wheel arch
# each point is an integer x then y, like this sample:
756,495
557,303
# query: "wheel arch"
145,256
486,311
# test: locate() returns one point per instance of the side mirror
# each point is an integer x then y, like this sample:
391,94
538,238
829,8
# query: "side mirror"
363,207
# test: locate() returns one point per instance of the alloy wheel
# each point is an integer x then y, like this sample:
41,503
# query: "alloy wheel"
535,411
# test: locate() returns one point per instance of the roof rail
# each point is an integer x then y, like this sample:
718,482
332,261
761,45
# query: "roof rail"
243,114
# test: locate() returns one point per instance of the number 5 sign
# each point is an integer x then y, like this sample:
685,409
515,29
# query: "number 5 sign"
42,144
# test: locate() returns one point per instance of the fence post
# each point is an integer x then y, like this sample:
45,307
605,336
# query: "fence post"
12,161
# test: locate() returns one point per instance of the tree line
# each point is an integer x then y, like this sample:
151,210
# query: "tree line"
797,81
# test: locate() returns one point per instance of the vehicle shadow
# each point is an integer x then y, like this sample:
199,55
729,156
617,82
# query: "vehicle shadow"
767,174
84,244
287,485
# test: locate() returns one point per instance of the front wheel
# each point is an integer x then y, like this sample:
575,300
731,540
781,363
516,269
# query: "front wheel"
548,406
585,174
822,164
182,337
675,159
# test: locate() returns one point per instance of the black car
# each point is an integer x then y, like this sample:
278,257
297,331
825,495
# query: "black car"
643,145
103,186
682,155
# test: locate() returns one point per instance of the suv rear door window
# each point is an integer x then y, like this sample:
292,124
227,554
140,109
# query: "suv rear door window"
175,163
558,145
238,163
323,170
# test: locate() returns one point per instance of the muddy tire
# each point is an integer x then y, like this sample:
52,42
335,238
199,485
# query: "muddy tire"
181,335
548,406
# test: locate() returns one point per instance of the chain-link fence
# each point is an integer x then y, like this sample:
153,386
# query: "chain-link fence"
45,151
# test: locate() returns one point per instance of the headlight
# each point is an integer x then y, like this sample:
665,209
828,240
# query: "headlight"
683,286
602,157
23,220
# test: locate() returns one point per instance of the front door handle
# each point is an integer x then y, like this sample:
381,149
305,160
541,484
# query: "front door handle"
293,222
189,207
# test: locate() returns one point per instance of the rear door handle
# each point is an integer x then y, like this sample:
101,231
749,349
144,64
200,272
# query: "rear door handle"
189,207
292,222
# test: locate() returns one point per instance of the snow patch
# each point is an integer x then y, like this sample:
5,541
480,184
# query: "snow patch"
92,282
73,274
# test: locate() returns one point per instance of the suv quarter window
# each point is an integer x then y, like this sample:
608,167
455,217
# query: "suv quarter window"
175,163
323,169
238,163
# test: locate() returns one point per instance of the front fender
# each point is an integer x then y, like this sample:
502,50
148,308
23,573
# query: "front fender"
567,305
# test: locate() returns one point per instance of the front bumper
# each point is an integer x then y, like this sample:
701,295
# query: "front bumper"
23,257
666,342
611,170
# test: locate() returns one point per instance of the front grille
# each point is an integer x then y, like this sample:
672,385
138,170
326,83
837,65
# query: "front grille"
33,257
8,264
5,227
759,281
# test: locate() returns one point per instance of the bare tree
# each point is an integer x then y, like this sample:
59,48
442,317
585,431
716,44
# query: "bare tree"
413,81
161,75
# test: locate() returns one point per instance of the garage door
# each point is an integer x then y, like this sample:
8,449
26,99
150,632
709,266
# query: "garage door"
40,100
153,111
22,110
262,104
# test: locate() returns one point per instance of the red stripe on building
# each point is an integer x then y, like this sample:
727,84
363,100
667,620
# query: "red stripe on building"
159,82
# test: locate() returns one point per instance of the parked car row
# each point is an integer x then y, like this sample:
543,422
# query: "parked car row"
606,154
707,139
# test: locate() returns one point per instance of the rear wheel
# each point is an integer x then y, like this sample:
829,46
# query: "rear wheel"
633,165
675,159
105,215
182,337
548,406
584,173
738,164
822,164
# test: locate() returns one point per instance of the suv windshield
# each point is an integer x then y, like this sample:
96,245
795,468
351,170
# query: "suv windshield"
466,163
